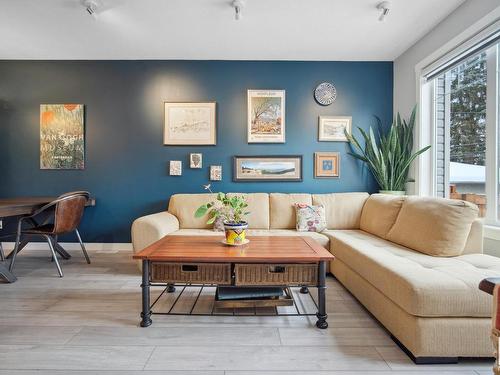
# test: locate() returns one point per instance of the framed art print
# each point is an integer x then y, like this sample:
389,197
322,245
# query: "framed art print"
189,123
331,128
175,168
195,160
62,139
326,164
216,173
267,168
266,116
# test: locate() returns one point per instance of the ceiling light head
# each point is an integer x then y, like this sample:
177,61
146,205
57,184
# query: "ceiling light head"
92,6
238,6
384,8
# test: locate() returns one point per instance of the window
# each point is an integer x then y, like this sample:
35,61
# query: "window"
463,114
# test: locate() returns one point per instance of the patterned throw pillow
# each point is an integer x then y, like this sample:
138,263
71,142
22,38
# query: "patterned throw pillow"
310,218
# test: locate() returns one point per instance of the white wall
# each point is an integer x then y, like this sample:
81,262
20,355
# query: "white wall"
404,66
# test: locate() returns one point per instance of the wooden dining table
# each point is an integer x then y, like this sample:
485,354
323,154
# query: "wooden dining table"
25,206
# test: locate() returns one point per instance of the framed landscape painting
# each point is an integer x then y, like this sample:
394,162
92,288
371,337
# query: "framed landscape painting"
189,123
266,116
267,168
62,141
326,164
331,128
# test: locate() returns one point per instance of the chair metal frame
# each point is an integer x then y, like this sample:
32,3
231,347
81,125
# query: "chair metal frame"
51,239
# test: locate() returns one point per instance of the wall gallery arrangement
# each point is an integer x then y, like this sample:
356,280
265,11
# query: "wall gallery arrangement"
267,168
195,124
62,141
190,123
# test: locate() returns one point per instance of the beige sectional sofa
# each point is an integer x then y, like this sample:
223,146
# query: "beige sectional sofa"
414,263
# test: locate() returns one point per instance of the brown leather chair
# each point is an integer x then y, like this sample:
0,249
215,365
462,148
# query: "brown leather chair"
66,211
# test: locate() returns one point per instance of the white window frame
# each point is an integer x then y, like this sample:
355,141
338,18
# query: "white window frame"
425,168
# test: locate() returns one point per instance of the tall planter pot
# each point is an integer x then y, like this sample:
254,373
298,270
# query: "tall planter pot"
236,233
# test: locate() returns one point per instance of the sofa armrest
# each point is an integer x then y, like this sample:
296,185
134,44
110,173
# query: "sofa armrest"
150,228
474,244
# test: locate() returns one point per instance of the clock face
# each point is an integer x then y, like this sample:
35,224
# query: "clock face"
325,93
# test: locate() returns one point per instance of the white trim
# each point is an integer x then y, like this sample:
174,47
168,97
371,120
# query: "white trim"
492,232
424,172
92,246
483,36
492,87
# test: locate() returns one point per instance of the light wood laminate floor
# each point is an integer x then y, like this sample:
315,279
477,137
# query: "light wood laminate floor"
87,323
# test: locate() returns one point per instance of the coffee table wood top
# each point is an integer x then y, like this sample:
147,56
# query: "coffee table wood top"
261,249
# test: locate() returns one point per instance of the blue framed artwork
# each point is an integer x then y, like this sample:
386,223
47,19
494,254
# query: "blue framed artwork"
326,164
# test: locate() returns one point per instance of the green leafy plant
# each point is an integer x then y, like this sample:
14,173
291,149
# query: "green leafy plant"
390,156
230,209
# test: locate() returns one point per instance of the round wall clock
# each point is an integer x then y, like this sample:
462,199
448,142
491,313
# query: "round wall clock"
325,93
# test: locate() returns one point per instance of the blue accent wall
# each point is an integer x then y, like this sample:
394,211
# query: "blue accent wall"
126,167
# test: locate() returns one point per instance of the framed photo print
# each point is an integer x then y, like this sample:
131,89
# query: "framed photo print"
326,164
331,128
189,123
267,168
175,168
266,116
216,173
195,161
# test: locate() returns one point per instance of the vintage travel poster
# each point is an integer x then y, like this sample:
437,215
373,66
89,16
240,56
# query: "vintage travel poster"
61,136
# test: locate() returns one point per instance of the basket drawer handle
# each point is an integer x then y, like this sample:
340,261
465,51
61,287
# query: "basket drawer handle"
189,268
277,269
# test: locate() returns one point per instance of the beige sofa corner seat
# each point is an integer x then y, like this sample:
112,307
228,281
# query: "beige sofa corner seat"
429,304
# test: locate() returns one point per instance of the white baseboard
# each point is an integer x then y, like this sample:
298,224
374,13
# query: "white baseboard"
92,246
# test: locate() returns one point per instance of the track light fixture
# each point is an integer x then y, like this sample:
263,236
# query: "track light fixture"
238,6
91,6
384,8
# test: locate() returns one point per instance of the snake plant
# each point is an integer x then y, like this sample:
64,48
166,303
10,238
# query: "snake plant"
390,156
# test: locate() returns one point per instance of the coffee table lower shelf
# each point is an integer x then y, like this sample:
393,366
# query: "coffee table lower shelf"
199,300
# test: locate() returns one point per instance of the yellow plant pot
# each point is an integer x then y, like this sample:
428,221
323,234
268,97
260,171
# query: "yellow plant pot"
235,233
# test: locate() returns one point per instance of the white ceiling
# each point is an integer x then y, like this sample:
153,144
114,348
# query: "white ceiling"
206,29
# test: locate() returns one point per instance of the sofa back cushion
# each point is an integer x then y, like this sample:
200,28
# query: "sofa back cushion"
434,226
282,209
183,206
258,206
343,210
379,213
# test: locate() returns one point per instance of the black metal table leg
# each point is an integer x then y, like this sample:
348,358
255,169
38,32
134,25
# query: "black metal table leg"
170,288
321,323
6,274
60,250
146,306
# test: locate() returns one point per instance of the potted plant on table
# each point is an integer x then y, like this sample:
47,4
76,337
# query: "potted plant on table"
232,211
388,156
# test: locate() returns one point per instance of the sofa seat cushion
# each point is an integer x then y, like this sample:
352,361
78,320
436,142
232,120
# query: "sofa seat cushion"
318,237
420,284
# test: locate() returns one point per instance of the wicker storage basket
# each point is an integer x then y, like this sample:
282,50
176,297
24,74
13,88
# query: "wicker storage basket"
206,273
276,274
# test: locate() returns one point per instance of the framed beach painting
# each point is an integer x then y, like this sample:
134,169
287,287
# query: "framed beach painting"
331,128
189,123
267,168
266,116
62,139
326,164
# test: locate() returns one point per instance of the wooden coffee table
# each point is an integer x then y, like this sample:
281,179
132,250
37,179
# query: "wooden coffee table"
265,261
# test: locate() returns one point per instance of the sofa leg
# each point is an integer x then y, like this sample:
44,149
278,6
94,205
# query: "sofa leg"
425,360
